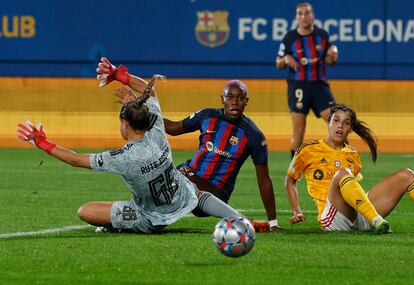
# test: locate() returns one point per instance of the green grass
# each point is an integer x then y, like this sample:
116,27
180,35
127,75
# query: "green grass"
34,197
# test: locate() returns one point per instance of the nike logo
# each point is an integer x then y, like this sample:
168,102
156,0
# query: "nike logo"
209,131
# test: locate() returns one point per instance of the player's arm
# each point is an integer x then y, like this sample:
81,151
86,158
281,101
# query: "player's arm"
174,128
107,73
331,57
293,197
287,60
266,192
36,136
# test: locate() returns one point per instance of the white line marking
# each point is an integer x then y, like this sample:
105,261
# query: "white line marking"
81,227
42,232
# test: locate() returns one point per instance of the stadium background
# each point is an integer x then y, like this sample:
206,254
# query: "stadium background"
49,51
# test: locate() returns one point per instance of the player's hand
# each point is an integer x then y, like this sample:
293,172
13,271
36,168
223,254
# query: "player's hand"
331,55
290,61
297,217
27,132
107,72
125,95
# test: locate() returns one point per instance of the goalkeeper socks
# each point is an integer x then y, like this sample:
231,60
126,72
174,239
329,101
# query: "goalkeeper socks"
410,190
213,206
356,197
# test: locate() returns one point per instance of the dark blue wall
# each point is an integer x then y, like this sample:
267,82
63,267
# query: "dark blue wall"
67,38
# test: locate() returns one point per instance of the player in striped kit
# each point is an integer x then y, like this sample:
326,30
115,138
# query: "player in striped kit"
161,194
227,139
330,167
306,50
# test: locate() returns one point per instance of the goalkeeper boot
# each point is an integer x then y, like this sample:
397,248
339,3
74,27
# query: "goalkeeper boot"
381,227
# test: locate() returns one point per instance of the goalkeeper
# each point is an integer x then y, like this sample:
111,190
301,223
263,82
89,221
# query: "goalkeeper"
161,194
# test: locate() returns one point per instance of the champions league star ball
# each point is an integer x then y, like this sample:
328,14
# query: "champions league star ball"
234,237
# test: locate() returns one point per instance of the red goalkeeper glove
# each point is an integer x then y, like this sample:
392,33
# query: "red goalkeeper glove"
107,72
27,132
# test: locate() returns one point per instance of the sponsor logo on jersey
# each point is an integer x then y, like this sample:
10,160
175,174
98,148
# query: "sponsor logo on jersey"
323,160
234,140
210,147
210,131
212,28
304,61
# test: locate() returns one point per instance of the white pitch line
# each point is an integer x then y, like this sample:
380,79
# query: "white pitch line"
42,232
81,227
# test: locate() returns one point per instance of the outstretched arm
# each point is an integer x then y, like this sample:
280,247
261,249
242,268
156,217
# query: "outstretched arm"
174,128
107,72
266,193
292,192
27,132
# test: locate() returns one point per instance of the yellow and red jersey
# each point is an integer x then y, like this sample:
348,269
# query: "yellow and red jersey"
319,163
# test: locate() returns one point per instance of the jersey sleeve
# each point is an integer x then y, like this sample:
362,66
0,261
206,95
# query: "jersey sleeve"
260,151
193,122
109,161
297,165
284,47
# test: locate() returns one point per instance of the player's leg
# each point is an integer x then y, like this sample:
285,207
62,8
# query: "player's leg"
386,194
299,128
298,101
347,196
211,205
325,113
96,213
322,100
336,198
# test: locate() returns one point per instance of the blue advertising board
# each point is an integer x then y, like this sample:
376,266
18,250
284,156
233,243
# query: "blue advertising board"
199,38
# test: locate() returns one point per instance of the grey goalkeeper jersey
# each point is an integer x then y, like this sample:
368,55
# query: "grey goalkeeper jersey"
161,192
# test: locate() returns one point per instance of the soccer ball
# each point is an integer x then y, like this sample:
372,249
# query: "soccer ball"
234,237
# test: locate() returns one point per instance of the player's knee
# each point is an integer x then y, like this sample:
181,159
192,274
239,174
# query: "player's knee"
406,174
341,173
83,212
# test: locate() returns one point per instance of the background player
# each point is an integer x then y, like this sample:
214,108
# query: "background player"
330,167
161,194
306,50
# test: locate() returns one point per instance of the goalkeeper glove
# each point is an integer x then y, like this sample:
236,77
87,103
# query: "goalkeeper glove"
107,72
27,132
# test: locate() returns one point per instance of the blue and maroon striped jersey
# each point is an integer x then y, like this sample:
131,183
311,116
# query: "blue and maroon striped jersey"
223,147
309,52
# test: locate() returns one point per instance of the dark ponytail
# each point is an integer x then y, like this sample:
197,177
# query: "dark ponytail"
135,112
359,127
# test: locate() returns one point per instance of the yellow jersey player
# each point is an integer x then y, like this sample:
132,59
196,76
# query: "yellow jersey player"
330,166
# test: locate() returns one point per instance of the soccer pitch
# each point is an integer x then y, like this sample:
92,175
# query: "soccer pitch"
38,196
